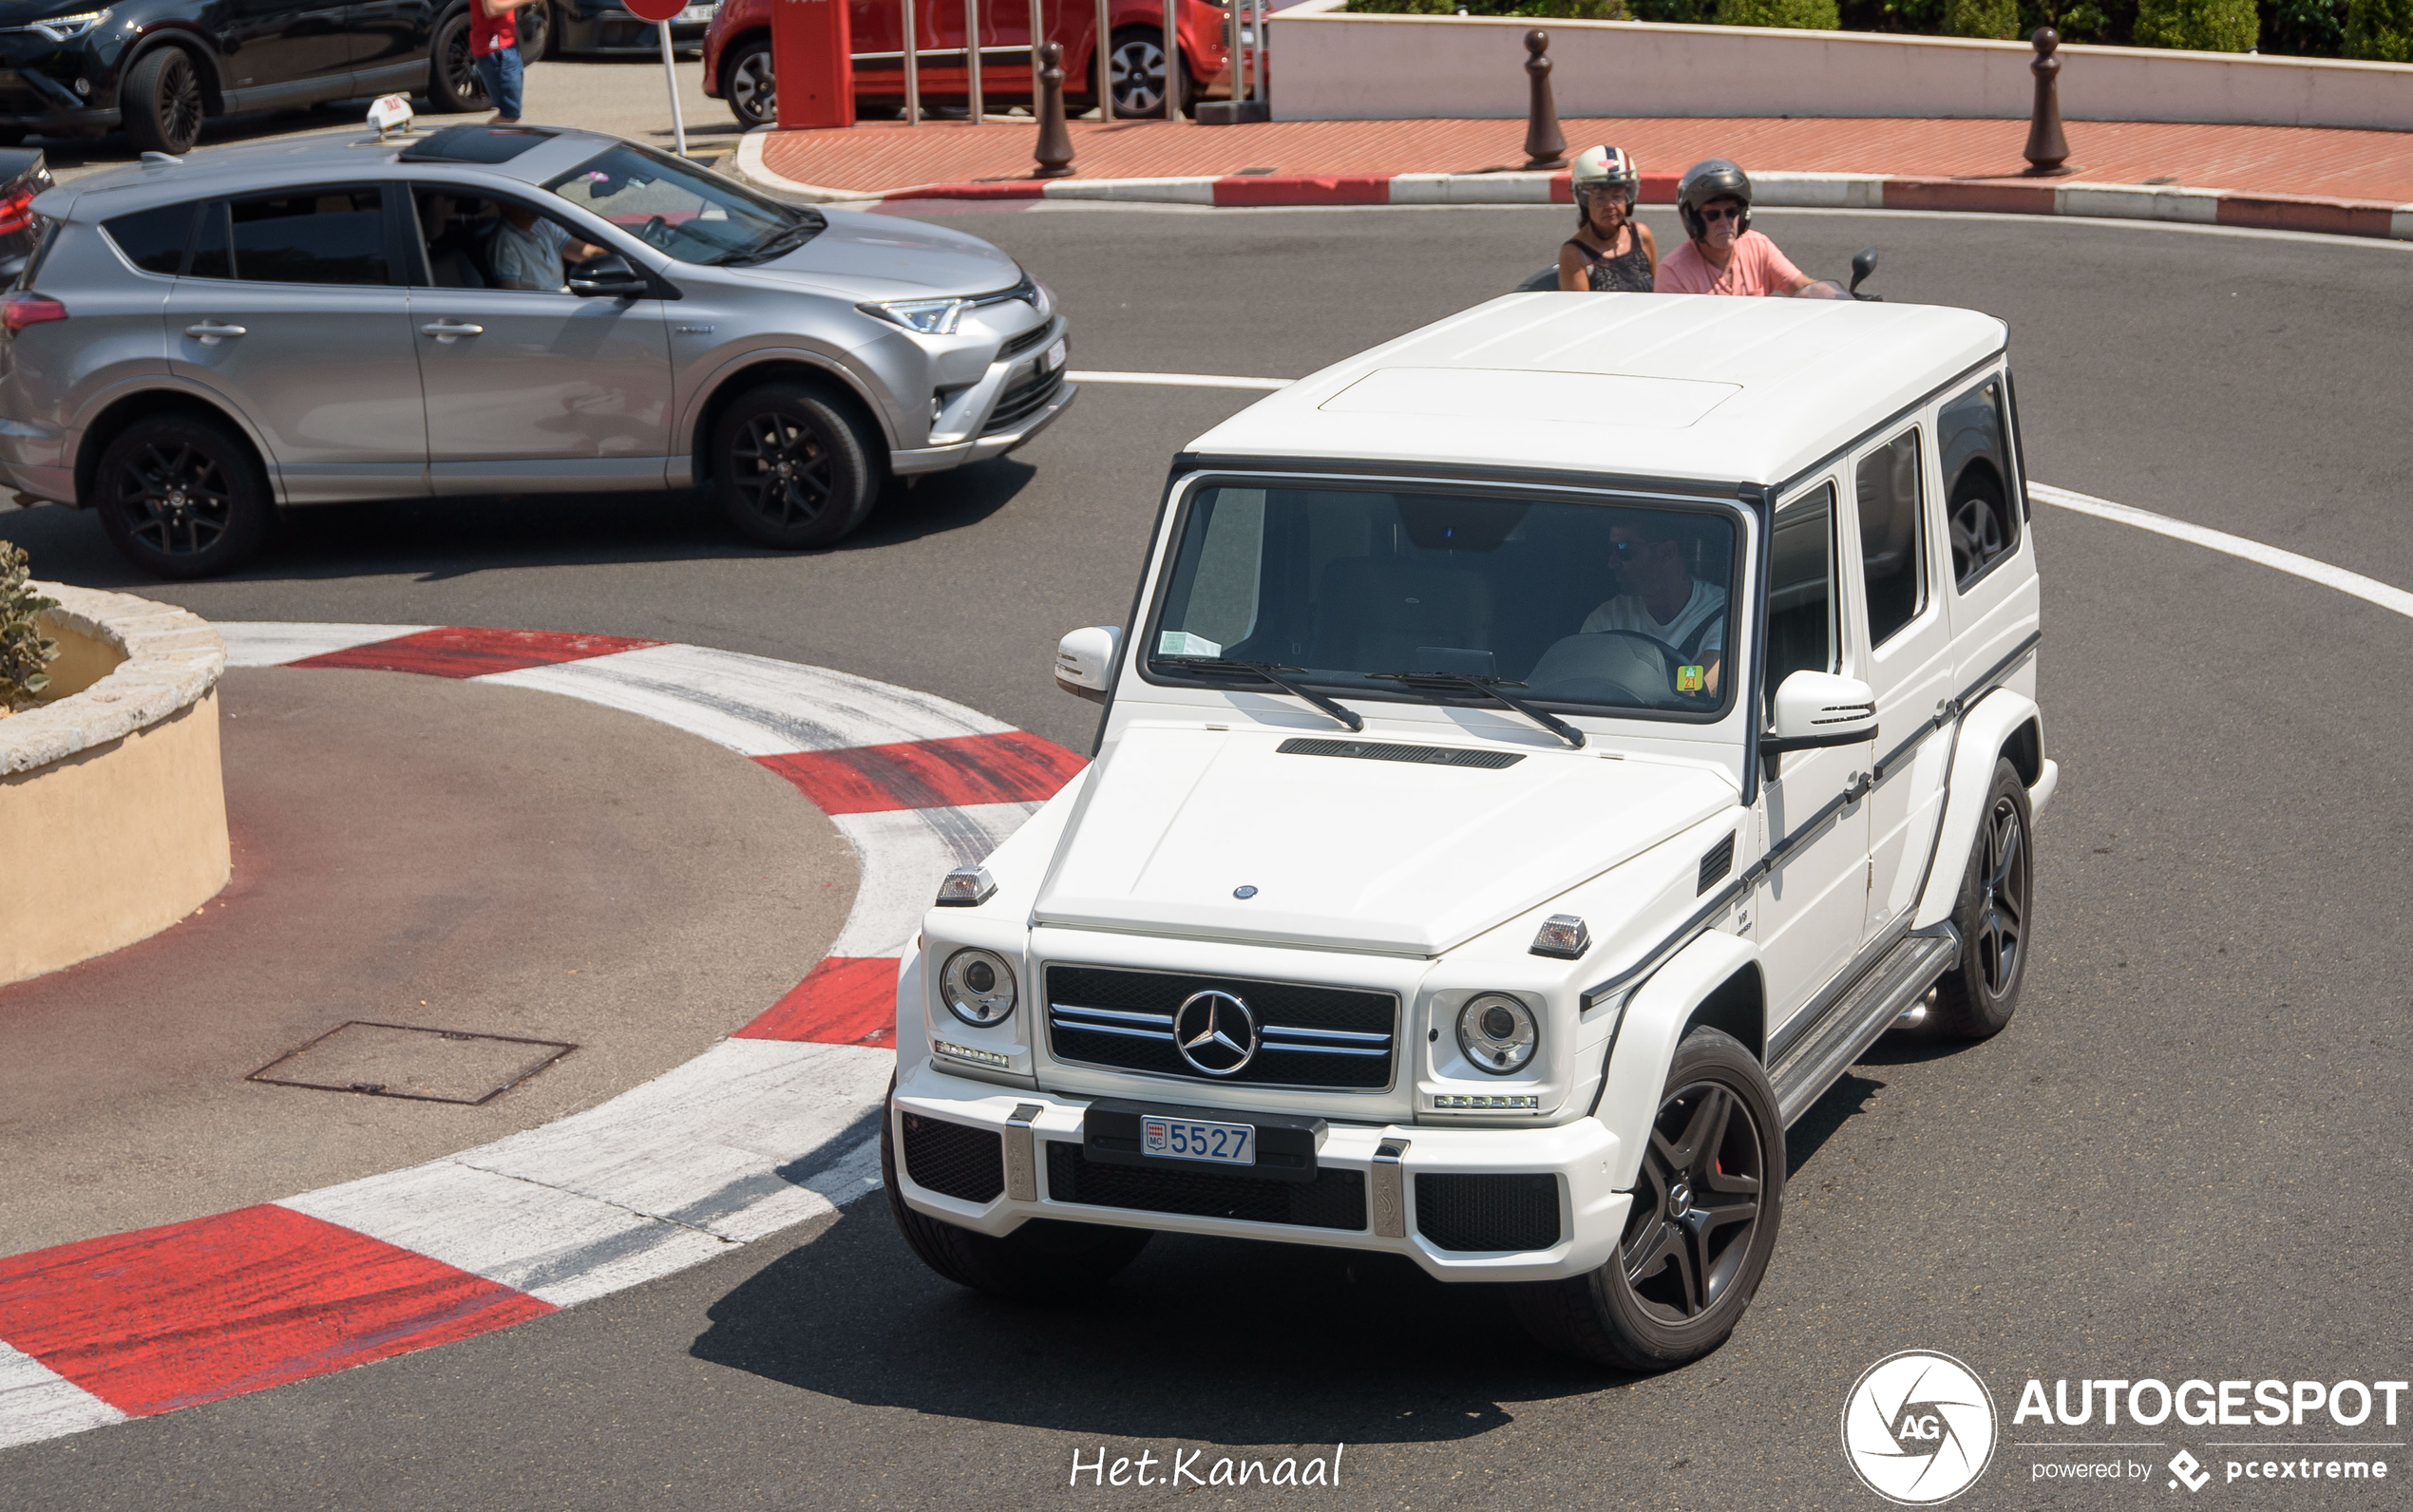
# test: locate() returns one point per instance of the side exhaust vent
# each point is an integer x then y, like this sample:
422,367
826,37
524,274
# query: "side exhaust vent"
1715,866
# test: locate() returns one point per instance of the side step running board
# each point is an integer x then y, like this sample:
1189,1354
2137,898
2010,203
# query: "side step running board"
1897,981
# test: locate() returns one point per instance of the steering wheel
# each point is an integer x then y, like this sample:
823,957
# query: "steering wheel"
656,233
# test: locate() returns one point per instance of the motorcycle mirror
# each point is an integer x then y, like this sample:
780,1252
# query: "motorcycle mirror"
1864,262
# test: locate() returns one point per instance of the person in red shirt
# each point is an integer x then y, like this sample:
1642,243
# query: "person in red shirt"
1725,255
494,50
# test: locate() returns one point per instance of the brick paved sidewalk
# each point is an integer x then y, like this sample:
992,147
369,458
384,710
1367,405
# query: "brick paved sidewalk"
2373,168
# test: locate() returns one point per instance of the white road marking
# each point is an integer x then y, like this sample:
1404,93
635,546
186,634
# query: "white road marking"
903,853
38,1403
2370,590
261,643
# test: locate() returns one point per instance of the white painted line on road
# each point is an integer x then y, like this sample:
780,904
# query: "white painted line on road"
1179,380
260,643
2370,590
38,1403
904,851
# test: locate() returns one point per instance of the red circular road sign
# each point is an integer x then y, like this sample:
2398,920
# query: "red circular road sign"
655,9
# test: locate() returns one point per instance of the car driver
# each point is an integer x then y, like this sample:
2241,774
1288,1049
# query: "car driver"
529,252
1658,596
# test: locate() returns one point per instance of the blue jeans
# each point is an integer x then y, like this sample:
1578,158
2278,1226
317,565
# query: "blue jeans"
499,71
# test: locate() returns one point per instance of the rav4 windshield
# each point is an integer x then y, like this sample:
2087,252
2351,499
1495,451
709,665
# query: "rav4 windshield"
693,214
1592,605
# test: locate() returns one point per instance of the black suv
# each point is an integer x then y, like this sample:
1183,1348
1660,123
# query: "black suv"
159,67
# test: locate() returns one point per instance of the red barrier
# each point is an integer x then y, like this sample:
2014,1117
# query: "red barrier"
813,56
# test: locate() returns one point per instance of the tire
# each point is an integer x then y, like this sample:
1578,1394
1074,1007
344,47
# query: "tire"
1648,1309
181,497
793,471
539,33
750,85
1135,70
161,102
453,86
1044,1259
1979,994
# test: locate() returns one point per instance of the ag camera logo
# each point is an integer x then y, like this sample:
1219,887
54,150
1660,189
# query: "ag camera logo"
1919,1427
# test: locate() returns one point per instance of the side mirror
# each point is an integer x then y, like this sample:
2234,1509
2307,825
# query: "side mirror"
1864,262
1818,709
1085,661
608,276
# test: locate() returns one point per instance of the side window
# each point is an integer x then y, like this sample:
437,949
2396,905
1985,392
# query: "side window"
1892,535
153,240
1977,480
1801,634
316,237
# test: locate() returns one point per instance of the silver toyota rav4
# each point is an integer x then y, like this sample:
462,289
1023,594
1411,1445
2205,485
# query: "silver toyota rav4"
495,309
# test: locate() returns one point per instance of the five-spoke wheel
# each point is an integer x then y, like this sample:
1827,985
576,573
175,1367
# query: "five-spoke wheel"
1978,995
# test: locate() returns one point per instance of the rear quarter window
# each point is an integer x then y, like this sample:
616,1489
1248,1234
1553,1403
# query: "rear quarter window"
154,239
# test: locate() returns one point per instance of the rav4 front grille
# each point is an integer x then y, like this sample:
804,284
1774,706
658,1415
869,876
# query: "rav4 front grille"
1024,400
1326,1038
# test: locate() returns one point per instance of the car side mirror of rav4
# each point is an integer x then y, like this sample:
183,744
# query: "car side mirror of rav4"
1816,709
608,276
1085,661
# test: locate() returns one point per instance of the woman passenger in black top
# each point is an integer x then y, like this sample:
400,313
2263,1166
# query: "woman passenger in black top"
1611,249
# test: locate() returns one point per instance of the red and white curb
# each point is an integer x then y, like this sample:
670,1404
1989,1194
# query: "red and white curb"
774,1126
1772,189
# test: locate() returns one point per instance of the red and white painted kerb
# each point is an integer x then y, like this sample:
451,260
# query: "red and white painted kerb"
774,1126
1771,189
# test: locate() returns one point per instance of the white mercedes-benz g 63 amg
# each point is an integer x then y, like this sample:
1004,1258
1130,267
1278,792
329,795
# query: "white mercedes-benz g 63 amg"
1546,750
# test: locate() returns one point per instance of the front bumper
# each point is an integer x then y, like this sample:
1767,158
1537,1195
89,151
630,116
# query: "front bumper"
980,448
1578,1157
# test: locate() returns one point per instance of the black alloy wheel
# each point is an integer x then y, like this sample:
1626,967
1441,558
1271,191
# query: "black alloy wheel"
453,84
161,102
181,497
1135,71
1702,1224
792,469
1979,994
749,84
536,32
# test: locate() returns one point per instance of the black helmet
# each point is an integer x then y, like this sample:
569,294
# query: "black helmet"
1712,179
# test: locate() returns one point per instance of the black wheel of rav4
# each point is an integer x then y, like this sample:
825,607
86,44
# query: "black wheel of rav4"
1701,1227
792,469
181,497
1978,995
161,102
1044,1259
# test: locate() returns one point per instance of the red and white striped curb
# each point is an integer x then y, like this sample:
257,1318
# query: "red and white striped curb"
775,1125
1778,190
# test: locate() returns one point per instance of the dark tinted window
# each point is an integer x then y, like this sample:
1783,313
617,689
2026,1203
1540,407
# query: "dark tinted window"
318,237
153,240
211,258
1977,480
1801,590
1891,535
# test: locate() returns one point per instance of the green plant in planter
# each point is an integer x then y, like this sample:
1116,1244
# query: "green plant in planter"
2202,26
1981,18
2379,30
24,649
1808,15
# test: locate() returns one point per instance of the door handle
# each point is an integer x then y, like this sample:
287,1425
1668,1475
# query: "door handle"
449,331
1861,783
208,332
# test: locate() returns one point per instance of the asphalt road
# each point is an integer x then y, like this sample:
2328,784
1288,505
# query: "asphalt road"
2184,1159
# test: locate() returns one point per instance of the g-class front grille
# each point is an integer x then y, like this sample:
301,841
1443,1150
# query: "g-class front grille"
1320,1037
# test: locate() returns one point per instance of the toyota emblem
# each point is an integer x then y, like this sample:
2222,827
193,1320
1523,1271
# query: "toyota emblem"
1215,1033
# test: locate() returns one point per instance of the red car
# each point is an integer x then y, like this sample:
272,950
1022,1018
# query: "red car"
737,65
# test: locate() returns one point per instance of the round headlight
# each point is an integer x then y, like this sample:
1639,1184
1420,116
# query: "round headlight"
1498,1032
979,987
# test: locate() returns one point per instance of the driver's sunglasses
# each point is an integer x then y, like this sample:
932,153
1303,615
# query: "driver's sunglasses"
1714,213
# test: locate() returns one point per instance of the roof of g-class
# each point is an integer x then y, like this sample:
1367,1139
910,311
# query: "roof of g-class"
1637,386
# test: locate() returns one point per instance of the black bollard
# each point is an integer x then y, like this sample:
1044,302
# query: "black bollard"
2047,149
1545,145
1055,152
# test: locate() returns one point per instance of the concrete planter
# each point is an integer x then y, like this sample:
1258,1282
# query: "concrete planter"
1330,66
112,802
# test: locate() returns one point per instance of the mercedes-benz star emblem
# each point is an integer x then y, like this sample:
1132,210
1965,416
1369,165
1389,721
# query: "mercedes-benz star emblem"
1215,1033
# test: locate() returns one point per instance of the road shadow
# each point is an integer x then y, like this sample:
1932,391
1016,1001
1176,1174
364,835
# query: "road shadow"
1222,1341
441,538
1843,1101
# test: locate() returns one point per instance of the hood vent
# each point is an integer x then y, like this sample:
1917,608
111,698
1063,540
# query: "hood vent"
1373,751
1715,866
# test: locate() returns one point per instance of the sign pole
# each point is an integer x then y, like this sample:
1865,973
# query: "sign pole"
670,72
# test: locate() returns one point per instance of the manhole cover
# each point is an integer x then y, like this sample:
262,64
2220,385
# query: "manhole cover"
431,1064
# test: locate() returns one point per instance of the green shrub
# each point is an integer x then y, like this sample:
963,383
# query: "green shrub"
24,649
2379,30
1806,15
2202,26
1981,18
1543,10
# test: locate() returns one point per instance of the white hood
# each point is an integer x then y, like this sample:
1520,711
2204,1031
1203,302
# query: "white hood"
1406,857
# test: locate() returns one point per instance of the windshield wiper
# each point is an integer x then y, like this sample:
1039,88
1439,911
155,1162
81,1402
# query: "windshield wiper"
1490,688
785,239
1268,672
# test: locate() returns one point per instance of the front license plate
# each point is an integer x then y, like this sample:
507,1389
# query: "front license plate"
1182,1139
1055,357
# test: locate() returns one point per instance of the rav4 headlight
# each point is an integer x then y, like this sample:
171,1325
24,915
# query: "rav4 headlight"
66,29
979,987
1498,1032
928,317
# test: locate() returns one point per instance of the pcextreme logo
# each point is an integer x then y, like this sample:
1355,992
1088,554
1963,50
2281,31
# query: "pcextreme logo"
1919,1427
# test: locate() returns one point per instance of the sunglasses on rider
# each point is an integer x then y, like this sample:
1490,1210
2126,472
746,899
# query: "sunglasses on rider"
1717,213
